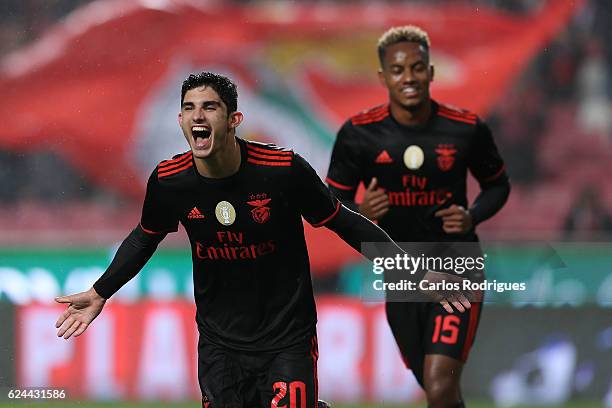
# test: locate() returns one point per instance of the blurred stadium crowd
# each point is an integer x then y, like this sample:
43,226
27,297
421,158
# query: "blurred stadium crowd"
554,127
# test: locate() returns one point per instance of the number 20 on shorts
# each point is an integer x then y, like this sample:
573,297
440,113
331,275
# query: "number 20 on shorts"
295,387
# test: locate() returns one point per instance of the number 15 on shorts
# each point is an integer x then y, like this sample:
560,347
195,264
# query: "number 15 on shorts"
446,329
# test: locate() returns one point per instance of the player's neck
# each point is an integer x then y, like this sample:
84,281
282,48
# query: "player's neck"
412,117
224,163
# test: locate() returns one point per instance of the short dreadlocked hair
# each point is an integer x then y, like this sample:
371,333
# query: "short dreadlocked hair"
227,90
394,35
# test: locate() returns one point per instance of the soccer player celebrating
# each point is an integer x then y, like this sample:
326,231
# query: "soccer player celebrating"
241,204
413,155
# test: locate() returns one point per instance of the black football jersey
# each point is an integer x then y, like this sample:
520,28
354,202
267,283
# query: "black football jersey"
250,264
421,168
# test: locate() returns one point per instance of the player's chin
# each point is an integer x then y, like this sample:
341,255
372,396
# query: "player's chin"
413,102
201,153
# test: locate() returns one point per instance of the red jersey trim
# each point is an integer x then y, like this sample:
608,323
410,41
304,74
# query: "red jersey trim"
168,167
493,177
172,162
456,111
372,119
338,185
457,115
269,163
162,173
173,166
469,341
325,221
268,156
372,111
375,114
314,353
268,150
148,231
456,119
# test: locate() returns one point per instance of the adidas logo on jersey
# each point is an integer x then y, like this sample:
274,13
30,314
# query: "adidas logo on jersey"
195,214
384,158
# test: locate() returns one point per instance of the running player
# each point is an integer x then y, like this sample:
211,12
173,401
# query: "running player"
413,155
241,204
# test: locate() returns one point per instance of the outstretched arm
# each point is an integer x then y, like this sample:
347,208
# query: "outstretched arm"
131,256
84,307
355,229
319,207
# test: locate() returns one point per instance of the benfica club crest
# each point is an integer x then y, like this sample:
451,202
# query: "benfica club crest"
261,212
446,157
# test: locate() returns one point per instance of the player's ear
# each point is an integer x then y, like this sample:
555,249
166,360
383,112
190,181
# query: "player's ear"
431,73
180,119
381,77
235,119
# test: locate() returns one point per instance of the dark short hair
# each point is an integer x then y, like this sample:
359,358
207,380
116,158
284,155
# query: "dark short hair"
395,35
227,90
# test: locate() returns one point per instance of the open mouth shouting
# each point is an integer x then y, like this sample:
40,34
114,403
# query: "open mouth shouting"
201,136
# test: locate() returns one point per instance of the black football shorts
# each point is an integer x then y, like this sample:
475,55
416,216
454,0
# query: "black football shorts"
239,379
427,328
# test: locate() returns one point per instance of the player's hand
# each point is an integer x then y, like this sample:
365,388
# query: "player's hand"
375,202
448,298
83,308
455,219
